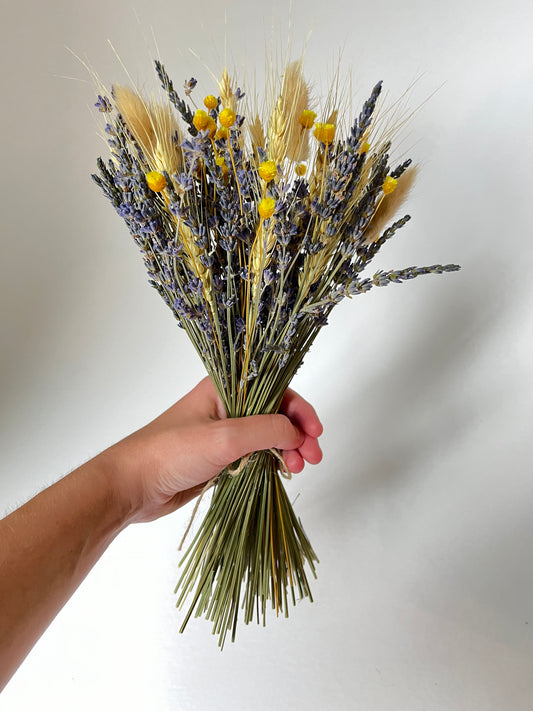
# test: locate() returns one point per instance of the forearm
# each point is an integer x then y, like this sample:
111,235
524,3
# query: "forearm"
47,547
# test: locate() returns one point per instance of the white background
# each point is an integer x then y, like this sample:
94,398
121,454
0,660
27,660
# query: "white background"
421,512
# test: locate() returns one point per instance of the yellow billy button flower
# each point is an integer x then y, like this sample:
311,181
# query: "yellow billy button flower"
324,132
365,147
268,170
266,208
307,118
227,118
219,160
389,184
211,126
156,181
210,102
200,120
222,132
300,169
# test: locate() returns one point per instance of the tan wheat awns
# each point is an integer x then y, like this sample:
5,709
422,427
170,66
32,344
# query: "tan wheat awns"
332,118
286,137
153,126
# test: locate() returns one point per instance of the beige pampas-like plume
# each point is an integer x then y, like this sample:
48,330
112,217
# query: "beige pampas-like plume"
153,127
390,205
286,136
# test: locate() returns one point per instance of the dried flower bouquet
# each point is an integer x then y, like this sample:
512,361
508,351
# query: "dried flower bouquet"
252,230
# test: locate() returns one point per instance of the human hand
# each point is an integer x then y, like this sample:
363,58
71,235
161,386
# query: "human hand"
166,463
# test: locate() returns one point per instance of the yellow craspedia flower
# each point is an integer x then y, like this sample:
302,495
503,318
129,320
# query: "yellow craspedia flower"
156,181
365,147
211,126
210,102
219,160
389,184
300,169
200,120
324,132
268,170
307,118
266,208
222,132
227,117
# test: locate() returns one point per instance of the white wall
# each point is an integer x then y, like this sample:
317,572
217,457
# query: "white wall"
421,509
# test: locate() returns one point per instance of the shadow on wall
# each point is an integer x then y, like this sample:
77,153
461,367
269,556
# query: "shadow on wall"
416,410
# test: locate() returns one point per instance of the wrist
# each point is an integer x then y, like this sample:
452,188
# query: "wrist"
102,474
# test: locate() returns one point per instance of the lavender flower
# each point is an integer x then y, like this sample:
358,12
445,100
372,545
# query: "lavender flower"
103,104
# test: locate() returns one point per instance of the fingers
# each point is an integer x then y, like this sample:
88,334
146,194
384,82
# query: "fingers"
294,432
308,451
235,437
294,460
239,436
301,413
304,416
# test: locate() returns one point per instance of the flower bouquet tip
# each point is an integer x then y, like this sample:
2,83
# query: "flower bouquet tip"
252,228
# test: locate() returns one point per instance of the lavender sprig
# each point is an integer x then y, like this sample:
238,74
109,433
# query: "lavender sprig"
397,276
174,98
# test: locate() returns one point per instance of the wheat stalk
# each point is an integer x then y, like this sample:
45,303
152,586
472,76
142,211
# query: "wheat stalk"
286,137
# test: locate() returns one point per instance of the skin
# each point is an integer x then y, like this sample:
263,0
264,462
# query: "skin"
48,546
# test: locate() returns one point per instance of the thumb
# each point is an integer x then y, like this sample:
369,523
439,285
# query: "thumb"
242,435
